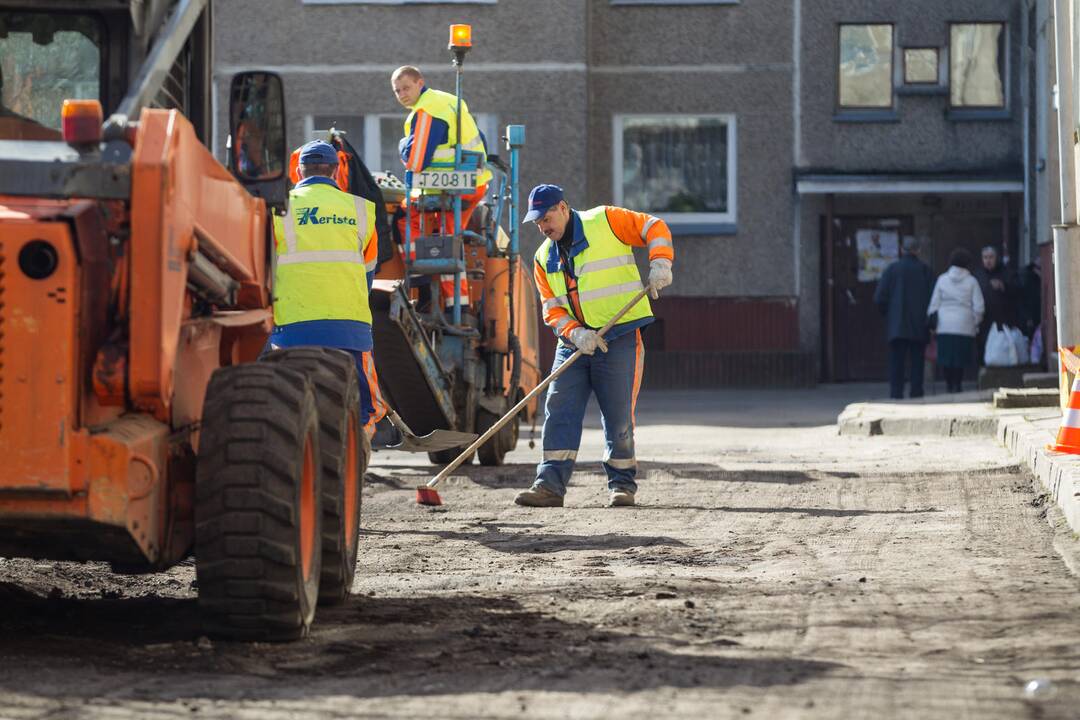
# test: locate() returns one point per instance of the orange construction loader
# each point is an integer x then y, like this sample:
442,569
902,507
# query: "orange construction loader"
135,427
141,420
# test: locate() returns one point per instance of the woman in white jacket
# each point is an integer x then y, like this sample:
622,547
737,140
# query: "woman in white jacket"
959,305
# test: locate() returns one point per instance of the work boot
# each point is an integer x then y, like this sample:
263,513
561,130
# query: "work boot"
620,498
538,496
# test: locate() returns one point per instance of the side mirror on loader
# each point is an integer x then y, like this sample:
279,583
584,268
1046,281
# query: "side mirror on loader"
256,149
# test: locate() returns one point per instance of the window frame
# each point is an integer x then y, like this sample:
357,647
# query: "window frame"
981,111
885,110
373,141
920,83
310,129
699,222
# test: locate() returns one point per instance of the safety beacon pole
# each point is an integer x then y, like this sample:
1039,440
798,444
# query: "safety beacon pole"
515,139
460,43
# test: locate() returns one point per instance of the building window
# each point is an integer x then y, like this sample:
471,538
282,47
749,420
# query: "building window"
866,66
382,133
920,66
351,125
977,65
680,167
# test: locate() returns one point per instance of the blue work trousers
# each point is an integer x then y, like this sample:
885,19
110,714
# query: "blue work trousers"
903,352
615,377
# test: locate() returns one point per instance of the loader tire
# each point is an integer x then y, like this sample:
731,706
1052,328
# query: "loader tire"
493,452
345,452
257,504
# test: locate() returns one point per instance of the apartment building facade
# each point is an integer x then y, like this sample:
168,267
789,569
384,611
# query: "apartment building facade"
784,141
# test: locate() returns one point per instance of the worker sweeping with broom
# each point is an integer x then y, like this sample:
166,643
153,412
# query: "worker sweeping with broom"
586,275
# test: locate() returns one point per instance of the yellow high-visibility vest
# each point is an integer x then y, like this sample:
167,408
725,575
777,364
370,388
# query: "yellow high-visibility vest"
319,269
607,276
443,106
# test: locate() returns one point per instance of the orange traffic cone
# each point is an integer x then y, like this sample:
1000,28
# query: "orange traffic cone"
1068,439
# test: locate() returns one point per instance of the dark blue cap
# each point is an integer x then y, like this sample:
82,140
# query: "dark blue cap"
541,199
318,152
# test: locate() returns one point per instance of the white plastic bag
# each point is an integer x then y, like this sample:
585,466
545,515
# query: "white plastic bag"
1000,348
1023,350
1037,346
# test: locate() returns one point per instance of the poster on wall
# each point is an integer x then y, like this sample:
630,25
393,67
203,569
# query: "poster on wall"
877,248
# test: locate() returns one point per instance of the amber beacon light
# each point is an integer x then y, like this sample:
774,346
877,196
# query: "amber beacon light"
460,36
81,121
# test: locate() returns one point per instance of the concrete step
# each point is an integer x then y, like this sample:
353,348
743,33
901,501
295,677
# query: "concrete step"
1026,397
1040,380
991,378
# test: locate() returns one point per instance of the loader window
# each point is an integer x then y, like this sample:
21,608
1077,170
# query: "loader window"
257,140
46,58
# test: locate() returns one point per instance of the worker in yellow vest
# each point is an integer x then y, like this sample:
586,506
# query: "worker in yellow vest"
325,252
431,131
585,272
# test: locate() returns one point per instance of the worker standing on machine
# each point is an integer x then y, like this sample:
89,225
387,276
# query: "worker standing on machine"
325,252
430,135
585,272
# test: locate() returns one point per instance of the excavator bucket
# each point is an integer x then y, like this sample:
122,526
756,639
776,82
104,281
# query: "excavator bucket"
434,441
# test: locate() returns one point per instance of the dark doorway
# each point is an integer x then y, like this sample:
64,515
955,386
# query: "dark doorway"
861,249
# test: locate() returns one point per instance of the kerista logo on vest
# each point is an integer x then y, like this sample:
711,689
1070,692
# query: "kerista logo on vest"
311,216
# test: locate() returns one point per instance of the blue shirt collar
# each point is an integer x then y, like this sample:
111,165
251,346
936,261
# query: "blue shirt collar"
577,244
316,180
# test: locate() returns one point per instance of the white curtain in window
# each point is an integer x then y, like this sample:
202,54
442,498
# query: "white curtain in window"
975,72
675,164
866,66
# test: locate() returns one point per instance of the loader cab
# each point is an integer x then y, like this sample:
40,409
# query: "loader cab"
54,51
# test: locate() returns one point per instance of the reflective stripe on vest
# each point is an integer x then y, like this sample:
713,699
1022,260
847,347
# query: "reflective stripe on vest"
319,269
607,276
443,106
322,256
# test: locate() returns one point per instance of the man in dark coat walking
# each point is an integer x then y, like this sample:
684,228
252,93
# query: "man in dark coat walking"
902,295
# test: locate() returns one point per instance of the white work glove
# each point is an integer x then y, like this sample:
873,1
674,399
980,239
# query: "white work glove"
587,340
659,276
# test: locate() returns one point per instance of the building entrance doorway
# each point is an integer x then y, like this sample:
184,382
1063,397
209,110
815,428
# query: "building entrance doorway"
857,251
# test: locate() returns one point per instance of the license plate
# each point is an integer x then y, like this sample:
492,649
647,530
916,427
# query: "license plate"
445,180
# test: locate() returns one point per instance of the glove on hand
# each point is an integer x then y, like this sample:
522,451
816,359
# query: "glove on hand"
659,276
587,340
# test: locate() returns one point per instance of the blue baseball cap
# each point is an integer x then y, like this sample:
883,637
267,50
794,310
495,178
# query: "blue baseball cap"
541,199
318,152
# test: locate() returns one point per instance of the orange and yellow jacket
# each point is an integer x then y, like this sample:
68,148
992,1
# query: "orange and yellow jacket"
634,229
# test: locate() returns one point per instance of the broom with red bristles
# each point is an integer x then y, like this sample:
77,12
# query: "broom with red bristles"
428,495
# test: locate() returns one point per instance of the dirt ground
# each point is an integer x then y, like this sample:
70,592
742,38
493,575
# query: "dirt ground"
772,569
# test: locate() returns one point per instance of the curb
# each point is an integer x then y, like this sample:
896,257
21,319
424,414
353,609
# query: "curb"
1024,433
960,419
1058,473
